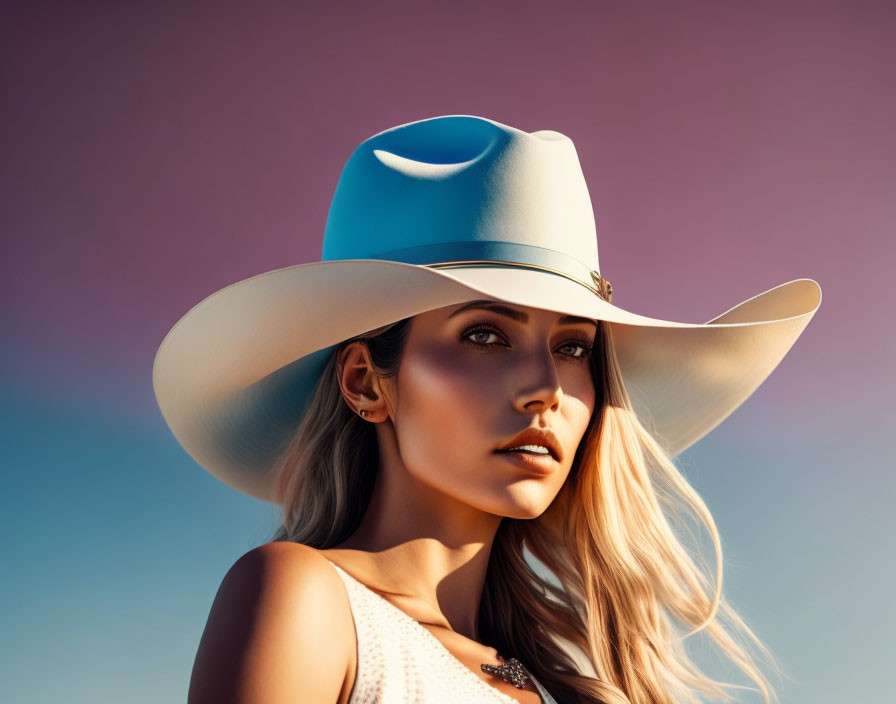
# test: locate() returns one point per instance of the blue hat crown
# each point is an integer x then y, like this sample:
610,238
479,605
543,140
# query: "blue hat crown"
465,190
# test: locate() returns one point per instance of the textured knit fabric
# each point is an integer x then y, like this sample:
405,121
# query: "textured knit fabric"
400,662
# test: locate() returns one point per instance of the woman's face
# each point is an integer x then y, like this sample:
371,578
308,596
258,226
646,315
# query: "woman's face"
472,377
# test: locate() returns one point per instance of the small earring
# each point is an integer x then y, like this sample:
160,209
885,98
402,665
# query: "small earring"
363,412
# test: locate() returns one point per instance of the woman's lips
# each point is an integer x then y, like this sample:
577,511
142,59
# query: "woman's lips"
542,464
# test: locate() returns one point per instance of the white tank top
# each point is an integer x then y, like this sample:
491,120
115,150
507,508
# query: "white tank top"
400,662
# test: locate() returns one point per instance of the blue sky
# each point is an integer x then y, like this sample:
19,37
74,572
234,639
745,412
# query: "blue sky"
115,542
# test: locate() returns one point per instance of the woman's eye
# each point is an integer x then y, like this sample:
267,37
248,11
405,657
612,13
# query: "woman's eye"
582,349
480,338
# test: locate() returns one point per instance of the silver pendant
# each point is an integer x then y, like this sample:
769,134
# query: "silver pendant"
511,670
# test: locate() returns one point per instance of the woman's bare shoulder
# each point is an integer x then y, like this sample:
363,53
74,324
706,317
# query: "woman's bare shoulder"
283,560
280,629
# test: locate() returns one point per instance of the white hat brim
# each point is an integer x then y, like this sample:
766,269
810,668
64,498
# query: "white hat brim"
234,373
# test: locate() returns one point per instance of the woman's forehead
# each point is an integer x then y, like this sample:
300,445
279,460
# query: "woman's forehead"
519,313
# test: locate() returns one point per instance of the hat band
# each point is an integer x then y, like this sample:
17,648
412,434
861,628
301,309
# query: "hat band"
445,255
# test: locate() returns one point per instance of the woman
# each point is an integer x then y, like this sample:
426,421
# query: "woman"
449,386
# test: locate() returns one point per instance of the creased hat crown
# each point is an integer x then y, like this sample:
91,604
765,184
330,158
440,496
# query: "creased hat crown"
464,188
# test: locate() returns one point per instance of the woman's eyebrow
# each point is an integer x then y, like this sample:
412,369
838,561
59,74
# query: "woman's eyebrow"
516,315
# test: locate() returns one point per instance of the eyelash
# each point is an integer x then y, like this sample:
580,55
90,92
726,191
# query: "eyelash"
580,339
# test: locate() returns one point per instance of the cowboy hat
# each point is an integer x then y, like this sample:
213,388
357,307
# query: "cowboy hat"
430,214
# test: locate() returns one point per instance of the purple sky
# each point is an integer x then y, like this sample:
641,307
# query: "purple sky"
154,155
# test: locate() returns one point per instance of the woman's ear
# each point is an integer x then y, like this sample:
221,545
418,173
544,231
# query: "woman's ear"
361,386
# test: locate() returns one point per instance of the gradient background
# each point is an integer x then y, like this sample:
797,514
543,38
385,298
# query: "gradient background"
155,152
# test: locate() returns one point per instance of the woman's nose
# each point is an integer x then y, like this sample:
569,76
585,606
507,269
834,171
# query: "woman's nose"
539,383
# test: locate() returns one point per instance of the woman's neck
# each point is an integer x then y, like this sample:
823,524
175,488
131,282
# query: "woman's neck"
425,549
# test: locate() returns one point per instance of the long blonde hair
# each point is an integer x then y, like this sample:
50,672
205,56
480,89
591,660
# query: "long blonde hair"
614,538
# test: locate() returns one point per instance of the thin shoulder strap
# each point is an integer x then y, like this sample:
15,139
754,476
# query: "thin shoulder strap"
545,695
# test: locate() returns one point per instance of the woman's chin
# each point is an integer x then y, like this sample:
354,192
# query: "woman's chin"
523,510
